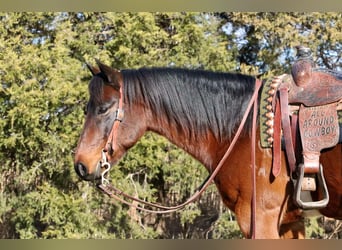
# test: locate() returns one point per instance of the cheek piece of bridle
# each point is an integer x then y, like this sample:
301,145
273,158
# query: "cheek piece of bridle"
108,152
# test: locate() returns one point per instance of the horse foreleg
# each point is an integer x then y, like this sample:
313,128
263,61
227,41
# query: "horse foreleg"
292,226
266,222
268,226
293,230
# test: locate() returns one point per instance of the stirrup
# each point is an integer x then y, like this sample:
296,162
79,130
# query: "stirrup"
321,183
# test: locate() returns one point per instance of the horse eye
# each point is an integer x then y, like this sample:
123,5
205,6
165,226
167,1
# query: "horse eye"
102,110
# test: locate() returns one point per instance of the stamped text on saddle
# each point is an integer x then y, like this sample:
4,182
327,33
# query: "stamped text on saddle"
317,93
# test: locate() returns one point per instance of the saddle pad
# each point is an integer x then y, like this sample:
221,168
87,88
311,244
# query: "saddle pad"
266,112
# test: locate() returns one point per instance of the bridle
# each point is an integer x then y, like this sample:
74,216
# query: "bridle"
108,150
119,115
113,192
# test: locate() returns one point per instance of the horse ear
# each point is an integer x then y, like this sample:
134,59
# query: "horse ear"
112,75
92,69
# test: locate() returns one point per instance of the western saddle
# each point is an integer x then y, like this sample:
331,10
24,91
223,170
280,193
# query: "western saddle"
302,114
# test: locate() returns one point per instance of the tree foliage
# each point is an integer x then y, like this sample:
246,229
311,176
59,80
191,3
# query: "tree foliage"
43,93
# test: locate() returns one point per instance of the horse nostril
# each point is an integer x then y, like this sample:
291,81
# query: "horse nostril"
81,170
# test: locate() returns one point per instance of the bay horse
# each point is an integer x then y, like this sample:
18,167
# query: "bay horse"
199,111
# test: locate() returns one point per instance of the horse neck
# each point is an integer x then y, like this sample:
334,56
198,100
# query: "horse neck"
199,120
206,149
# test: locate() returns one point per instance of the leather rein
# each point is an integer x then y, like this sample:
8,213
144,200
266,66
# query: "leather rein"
115,193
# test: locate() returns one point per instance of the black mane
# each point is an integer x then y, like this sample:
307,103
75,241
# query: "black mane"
193,101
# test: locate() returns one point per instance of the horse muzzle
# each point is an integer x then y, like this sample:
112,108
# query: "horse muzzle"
83,172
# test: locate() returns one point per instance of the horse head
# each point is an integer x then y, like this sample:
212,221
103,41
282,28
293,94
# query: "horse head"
108,132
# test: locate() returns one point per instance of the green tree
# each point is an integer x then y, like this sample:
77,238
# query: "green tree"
267,40
43,94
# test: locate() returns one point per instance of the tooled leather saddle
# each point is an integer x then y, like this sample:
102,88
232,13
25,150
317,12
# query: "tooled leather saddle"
304,105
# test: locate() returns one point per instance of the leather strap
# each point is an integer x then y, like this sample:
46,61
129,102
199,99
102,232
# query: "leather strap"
276,164
253,165
295,133
119,115
285,121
